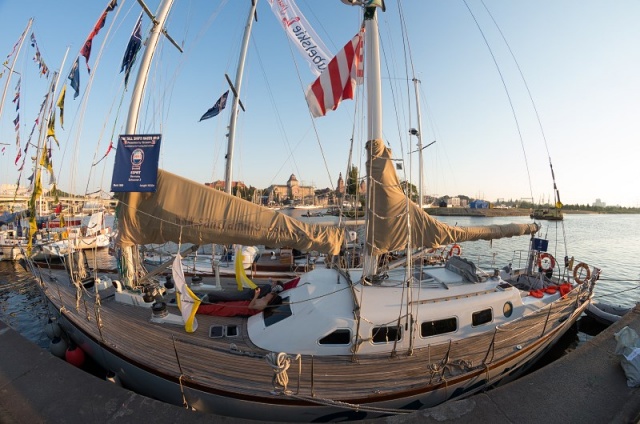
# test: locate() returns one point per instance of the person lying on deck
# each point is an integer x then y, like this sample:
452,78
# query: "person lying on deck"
260,303
242,307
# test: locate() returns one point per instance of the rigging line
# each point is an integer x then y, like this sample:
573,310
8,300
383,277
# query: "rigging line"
394,96
104,126
556,192
128,12
313,124
408,54
320,23
533,104
279,119
85,99
504,85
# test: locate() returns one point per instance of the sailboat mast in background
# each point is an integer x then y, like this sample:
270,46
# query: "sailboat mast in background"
236,98
13,64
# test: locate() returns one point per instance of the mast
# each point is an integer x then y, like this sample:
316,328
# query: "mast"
374,112
128,262
420,161
236,98
13,64
46,116
145,64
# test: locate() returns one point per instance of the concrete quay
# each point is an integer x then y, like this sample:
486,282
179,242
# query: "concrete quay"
587,385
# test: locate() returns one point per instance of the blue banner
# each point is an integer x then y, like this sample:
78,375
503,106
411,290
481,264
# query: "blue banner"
136,164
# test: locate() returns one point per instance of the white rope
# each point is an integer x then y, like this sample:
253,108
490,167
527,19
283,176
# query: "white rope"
280,363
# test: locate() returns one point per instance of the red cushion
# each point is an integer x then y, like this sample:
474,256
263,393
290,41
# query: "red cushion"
236,308
291,284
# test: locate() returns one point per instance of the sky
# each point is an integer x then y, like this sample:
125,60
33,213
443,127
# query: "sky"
495,131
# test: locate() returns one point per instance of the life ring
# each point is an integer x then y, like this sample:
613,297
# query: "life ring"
455,250
546,261
577,273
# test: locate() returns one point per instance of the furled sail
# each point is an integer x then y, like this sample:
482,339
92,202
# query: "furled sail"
184,211
386,228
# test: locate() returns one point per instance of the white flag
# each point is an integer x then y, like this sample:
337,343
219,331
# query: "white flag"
302,35
188,302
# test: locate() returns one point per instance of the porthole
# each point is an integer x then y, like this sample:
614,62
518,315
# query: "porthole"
507,309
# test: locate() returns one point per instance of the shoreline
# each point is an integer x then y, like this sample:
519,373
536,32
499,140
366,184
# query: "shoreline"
492,212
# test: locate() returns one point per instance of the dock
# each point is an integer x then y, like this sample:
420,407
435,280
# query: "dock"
586,385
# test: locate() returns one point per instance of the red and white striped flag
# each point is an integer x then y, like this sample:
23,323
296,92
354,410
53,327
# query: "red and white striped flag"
338,81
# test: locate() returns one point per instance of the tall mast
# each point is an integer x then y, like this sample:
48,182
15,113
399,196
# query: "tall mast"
420,161
145,64
129,268
236,98
374,111
13,64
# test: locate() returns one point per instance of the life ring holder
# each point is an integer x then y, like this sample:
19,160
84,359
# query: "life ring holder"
455,250
577,272
546,261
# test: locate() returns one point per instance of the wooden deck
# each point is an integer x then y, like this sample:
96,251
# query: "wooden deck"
235,367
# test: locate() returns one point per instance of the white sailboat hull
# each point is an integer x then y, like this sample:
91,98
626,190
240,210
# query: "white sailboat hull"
11,246
11,252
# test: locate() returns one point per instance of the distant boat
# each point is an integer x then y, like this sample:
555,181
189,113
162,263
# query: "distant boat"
549,214
93,236
12,245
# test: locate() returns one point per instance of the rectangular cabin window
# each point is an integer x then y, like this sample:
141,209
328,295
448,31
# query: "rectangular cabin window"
278,310
386,334
441,326
338,337
481,317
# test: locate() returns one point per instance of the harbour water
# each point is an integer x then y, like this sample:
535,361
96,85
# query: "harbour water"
611,242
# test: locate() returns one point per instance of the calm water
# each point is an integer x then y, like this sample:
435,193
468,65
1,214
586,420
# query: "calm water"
611,242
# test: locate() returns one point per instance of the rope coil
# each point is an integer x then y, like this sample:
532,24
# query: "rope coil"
280,363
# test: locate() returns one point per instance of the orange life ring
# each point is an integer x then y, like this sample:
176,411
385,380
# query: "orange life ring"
455,250
546,261
577,273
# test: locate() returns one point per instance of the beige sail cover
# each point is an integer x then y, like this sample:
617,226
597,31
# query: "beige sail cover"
387,224
184,211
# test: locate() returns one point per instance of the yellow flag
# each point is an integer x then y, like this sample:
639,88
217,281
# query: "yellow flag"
44,160
60,104
51,131
33,228
241,275
37,188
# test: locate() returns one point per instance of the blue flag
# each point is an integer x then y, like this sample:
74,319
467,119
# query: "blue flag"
132,50
215,110
74,77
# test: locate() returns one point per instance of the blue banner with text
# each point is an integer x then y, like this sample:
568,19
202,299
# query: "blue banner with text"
136,163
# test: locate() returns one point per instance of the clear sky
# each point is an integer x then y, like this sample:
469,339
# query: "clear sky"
580,60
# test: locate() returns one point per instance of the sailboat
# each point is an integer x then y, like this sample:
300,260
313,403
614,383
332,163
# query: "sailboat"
95,235
12,239
335,343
